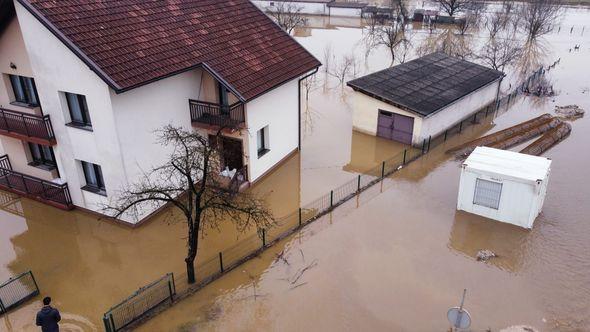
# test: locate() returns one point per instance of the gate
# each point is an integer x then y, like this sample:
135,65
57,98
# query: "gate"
17,290
395,127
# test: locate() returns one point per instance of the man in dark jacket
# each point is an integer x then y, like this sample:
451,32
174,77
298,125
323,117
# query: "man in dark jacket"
48,317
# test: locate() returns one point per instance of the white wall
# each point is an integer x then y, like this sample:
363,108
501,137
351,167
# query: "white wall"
519,202
347,12
57,69
279,110
445,118
311,8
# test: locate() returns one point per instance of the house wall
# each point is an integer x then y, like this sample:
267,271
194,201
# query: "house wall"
57,69
366,113
13,50
519,202
346,12
279,110
311,8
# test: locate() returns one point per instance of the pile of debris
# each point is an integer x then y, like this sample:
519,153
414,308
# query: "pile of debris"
569,112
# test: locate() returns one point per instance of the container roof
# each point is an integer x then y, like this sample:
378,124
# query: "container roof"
510,164
427,84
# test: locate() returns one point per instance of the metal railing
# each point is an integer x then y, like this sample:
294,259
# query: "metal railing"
17,290
217,115
135,306
25,124
32,187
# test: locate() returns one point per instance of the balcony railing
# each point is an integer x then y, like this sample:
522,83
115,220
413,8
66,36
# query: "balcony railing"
217,115
28,127
47,192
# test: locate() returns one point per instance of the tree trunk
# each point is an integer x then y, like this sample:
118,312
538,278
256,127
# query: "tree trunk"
190,269
193,245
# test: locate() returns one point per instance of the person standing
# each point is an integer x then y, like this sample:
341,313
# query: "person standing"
48,317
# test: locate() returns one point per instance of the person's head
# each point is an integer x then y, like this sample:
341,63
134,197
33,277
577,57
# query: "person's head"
46,300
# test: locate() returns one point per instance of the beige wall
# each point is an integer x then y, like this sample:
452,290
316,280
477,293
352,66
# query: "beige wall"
366,113
209,91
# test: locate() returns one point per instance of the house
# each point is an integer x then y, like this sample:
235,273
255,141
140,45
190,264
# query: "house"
308,7
504,185
346,9
421,98
85,85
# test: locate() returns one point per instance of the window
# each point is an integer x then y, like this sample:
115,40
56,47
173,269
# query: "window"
487,193
42,156
24,90
262,141
78,110
93,176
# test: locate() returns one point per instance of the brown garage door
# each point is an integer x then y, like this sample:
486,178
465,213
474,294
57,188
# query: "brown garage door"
395,127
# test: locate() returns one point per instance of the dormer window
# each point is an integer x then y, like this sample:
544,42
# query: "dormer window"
24,90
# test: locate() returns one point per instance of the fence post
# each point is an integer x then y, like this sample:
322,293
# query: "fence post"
34,281
446,131
460,126
299,217
2,308
331,198
405,151
358,183
107,324
221,261
429,139
263,237
475,118
170,291
382,170
423,145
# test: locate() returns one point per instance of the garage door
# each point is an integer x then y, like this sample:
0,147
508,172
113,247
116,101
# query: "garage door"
395,127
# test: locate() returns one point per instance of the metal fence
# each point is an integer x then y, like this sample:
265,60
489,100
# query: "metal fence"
135,306
210,269
17,290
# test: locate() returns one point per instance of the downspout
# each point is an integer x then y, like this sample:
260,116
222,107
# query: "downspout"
299,101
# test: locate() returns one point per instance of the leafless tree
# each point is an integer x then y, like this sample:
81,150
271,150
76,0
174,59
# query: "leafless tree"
328,55
190,181
309,84
499,53
500,20
392,36
400,10
473,18
538,17
452,7
288,15
344,68
449,42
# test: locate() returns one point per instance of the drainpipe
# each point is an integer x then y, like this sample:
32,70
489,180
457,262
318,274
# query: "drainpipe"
299,101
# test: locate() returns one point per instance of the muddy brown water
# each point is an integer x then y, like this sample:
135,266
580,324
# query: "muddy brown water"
396,258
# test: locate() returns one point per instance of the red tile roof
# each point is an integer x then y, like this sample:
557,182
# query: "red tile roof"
130,43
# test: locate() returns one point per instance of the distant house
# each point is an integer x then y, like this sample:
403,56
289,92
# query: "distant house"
84,85
316,7
346,9
421,98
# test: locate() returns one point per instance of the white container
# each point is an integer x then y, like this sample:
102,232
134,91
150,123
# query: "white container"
504,185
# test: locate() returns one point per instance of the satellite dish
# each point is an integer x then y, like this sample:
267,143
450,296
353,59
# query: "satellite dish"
459,317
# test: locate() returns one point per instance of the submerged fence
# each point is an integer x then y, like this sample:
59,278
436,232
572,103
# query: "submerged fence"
210,269
17,290
135,306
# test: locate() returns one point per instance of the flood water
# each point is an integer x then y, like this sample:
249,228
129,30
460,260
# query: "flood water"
395,259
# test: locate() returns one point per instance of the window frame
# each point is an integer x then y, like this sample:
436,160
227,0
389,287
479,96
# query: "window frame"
86,122
41,161
30,98
480,202
99,187
261,137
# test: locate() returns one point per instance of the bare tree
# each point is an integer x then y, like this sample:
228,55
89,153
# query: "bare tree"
189,180
499,53
447,42
500,20
400,10
452,7
309,84
287,15
473,18
538,17
328,55
392,36
343,68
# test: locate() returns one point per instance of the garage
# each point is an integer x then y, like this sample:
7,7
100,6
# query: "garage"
395,127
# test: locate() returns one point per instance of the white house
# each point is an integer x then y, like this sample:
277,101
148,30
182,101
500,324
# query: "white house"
504,185
421,98
309,7
346,9
84,88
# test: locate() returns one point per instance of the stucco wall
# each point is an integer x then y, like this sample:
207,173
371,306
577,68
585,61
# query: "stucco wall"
59,70
311,8
279,110
345,12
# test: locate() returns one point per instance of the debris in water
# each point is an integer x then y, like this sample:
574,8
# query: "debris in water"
485,254
519,328
281,257
570,112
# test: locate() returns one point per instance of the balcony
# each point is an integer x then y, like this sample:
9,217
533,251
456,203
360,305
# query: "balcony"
27,127
57,195
216,115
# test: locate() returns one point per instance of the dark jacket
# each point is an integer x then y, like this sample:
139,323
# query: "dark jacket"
47,318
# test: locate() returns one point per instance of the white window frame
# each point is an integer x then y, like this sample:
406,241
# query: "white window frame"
487,193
